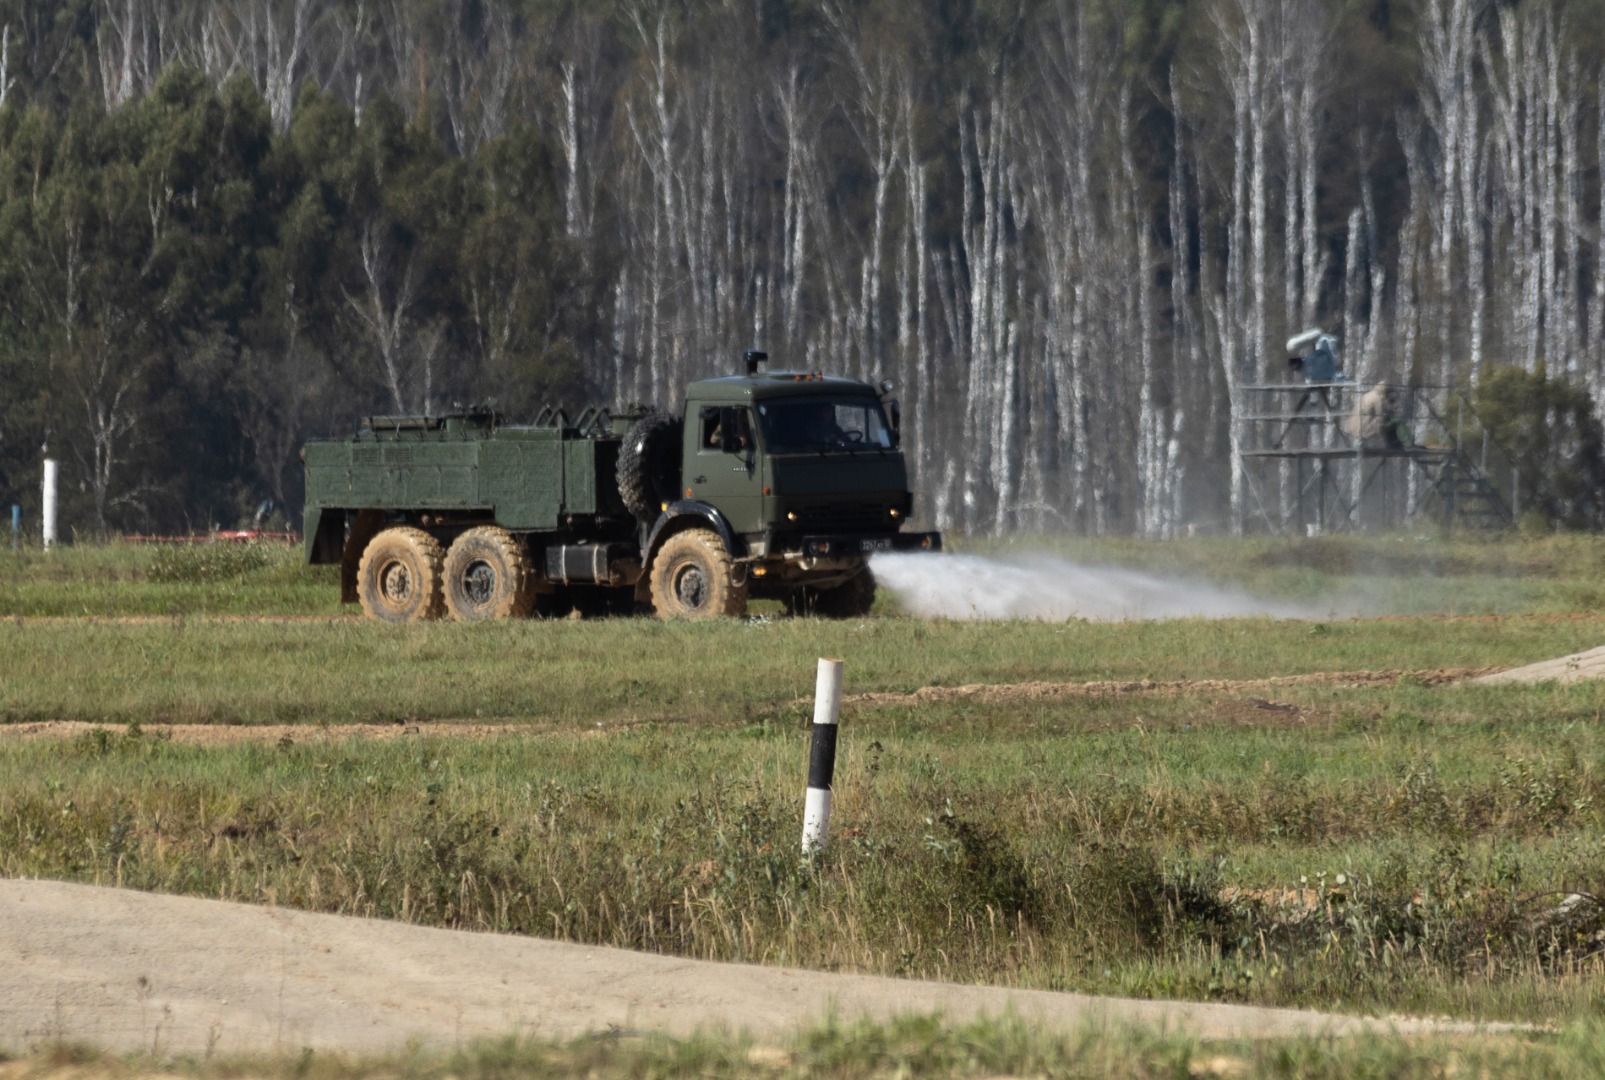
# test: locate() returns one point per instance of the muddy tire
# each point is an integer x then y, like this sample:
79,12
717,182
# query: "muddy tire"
399,578
488,576
692,578
648,471
852,599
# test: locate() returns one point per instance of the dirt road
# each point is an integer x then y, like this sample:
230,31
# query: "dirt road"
980,693
1578,667
127,971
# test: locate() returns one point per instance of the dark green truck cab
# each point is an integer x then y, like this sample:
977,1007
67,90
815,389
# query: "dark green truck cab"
776,485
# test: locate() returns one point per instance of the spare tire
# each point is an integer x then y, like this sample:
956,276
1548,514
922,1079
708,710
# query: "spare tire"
649,465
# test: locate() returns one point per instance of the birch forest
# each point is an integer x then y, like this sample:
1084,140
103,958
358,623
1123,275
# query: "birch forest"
1068,230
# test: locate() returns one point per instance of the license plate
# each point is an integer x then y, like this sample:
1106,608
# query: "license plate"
875,545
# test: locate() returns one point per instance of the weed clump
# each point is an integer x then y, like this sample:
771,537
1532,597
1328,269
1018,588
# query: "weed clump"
207,564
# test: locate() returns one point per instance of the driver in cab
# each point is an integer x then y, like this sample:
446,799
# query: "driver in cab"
821,427
743,434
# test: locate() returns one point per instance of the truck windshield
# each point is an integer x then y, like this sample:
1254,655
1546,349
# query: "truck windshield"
798,425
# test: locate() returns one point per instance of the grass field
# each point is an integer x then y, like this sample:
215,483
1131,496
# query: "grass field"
1374,575
1390,845
914,1047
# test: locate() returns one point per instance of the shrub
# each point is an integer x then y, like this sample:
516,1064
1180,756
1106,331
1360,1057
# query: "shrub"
1556,446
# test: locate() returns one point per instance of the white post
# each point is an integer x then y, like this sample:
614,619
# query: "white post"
822,756
49,509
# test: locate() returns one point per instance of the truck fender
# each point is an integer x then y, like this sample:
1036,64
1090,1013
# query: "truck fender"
675,517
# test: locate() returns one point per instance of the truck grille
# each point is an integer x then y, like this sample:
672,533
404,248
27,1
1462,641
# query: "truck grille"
845,517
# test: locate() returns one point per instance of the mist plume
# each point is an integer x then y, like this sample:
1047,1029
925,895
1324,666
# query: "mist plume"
1045,587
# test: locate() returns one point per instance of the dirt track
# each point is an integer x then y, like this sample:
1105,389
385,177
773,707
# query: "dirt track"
1566,669
222,734
133,971
1036,691
989,693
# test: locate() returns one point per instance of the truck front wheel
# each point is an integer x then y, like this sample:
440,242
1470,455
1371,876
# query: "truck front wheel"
399,579
487,576
692,579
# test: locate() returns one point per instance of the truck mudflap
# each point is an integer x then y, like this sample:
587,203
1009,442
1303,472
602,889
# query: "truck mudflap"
838,546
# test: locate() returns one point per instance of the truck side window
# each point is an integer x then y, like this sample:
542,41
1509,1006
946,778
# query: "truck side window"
725,430
712,431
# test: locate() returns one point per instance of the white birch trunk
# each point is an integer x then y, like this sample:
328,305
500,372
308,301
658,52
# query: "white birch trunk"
1596,322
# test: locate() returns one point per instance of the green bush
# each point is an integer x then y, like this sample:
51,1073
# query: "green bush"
1548,429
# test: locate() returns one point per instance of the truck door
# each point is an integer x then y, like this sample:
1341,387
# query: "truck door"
725,470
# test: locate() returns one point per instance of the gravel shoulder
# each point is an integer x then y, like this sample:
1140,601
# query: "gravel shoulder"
132,971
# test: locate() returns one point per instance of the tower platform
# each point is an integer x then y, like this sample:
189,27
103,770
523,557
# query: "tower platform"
1339,456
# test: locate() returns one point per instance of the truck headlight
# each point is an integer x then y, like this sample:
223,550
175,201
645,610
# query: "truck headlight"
791,515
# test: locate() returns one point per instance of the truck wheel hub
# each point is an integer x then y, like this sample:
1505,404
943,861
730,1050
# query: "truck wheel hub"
396,582
691,586
479,581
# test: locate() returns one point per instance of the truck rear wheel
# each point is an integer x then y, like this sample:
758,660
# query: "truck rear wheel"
399,579
691,578
487,576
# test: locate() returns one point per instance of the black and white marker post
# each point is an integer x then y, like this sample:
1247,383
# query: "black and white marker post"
822,756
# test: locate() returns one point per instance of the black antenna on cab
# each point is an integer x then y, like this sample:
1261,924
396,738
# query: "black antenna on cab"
753,358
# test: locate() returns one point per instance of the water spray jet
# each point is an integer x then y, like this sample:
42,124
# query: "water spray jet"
1045,587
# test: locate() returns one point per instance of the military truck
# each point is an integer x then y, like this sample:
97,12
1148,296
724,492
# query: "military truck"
768,484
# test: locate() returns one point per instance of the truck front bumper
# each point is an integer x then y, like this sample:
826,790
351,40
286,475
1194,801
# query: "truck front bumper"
835,547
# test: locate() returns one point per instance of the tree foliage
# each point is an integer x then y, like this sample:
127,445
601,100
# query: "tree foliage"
1549,430
1071,232
190,293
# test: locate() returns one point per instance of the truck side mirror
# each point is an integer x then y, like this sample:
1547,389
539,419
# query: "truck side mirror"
894,416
